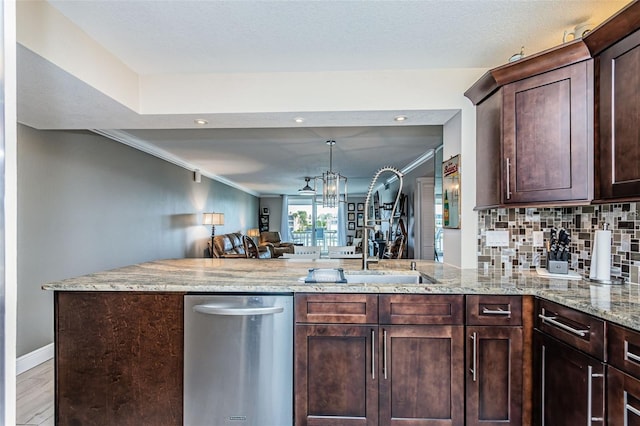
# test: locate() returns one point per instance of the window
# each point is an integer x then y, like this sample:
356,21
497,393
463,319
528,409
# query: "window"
313,225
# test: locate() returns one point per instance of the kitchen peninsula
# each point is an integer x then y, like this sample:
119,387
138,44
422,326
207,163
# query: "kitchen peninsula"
119,333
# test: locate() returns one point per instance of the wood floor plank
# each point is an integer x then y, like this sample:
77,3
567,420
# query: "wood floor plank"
35,396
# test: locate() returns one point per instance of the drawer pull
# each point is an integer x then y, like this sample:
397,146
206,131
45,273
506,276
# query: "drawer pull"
508,178
632,409
474,356
498,311
552,321
630,355
373,354
384,354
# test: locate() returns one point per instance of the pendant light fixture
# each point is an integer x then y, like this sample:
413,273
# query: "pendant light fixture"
334,185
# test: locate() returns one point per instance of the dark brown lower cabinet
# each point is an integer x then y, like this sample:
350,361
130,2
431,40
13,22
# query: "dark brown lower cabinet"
623,398
570,385
494,376
119,358
379,375
421,375
336,379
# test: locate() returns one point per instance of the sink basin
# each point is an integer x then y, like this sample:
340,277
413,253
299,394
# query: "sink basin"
367,277
391,278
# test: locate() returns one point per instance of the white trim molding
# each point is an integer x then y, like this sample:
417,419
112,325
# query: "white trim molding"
34,358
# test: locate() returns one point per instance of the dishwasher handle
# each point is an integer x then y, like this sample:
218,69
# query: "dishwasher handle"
213,309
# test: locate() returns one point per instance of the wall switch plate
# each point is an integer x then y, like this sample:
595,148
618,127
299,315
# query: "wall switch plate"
538,238
497,239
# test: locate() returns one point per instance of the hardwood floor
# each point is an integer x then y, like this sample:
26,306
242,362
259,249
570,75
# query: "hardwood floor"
34,396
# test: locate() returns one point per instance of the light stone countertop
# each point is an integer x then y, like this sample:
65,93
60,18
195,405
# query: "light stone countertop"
616,303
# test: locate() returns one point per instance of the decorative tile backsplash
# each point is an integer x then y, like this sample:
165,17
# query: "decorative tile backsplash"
580,222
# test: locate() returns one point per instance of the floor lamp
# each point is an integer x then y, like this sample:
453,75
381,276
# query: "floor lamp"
212,219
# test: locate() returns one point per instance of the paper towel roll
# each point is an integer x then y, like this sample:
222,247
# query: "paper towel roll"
601,256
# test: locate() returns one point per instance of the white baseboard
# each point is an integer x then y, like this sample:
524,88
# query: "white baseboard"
37,357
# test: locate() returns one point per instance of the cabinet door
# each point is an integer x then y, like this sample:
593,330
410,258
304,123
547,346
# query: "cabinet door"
422,375
494,378
119,358
336,376
570,385
623,398
547,139
489,152
619,119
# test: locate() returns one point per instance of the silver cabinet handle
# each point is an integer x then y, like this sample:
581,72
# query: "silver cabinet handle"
590,376
552,321
632,409
384,354
498,311
373,354
239,311
508,178
589,394
630,355
474,357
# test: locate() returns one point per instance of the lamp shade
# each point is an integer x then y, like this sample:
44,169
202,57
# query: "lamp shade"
213,219
253,232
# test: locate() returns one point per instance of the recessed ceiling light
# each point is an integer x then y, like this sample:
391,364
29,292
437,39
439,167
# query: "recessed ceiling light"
299,120
400,118
200,121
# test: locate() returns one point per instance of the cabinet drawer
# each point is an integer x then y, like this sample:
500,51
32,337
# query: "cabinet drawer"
578,329
624,349
336,308
494,310
421,309
623,398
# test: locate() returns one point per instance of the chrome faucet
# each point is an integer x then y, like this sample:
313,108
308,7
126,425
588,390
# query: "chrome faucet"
376,223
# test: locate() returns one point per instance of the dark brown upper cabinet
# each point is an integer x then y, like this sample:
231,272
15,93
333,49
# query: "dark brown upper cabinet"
616,49
534,130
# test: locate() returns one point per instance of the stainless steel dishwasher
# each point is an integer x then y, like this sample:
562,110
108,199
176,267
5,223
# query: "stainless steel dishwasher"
238,360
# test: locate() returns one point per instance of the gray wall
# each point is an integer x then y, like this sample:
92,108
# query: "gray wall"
86,204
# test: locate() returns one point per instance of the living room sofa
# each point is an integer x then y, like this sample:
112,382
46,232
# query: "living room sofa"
237,245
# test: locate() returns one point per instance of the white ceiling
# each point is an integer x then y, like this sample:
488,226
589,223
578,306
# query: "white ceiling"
263,152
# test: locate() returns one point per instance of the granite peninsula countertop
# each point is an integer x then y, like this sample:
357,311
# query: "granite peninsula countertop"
616,303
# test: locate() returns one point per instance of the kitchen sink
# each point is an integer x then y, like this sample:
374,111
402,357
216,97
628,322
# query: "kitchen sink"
338,276
389,278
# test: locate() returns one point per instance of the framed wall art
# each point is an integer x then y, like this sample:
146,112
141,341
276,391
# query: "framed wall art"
451,193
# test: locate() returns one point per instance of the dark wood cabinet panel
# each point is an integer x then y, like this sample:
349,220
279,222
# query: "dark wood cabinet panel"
548,136
422,375
578,329
570,385
336,308
421,309
623,398
494,383
624,349
335,375
619,120
489,152
494,310
119,358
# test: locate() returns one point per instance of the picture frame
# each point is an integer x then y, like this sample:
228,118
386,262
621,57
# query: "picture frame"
351,217
360,220
451,193
360,207
265,211
352,226
351,207
358,233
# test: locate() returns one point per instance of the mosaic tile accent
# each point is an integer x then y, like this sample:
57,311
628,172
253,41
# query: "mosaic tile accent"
580,222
